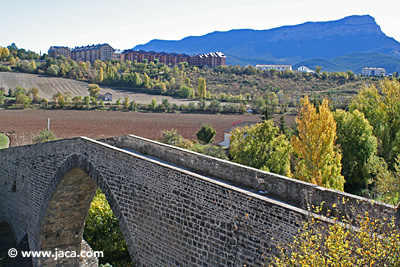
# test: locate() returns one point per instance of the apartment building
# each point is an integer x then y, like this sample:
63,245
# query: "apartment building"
367,71
55,51
91,53
275,67
212,59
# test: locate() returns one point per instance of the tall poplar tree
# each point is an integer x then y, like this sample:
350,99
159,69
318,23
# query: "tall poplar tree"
201,88
382,109
317,155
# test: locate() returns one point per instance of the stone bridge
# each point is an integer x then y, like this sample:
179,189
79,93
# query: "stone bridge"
174,207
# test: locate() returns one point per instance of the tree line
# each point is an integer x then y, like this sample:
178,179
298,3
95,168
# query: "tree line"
243,84
355,150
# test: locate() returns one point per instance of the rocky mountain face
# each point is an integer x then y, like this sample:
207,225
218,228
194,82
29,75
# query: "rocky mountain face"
288,44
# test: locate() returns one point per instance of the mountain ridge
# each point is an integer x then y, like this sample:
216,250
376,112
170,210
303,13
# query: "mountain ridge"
288,44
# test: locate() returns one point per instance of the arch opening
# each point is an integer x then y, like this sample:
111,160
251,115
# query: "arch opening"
102,232
63,221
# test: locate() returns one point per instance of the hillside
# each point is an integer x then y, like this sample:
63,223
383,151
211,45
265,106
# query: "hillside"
49,86
354,62
289,44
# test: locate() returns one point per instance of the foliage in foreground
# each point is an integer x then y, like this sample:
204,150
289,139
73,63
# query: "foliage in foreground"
261,146
103,233
172,137
45,136
376,242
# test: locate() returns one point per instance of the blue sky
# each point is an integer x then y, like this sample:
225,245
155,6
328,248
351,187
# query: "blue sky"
38,24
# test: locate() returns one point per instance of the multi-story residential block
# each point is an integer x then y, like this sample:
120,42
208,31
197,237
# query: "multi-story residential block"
367,71
117,55
212,59
275,67
91,53
55,51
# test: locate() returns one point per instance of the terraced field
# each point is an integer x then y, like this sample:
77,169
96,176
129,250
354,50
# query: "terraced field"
48,86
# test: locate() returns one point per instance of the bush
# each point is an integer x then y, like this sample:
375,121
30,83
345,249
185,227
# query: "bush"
375,242
45,136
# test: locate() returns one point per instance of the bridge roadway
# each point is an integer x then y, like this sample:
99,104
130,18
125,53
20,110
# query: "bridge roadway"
174,207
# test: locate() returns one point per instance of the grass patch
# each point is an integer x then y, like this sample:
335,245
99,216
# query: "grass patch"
4,142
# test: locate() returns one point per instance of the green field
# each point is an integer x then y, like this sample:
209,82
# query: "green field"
4,142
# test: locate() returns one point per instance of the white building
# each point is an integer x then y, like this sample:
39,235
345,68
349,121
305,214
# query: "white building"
228,132
367,71
305,69
275,67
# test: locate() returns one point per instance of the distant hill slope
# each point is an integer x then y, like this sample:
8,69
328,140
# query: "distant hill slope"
354,62
49,86
288,44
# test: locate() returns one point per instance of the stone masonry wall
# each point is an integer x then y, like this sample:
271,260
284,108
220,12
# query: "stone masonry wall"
291,191
169,212
169,216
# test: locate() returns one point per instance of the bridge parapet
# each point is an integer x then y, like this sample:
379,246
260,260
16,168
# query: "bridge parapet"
290,191
171,205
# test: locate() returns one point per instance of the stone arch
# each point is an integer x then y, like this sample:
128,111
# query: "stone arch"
65,208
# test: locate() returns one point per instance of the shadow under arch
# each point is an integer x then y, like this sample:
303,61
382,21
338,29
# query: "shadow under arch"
65,208
7,240
7,236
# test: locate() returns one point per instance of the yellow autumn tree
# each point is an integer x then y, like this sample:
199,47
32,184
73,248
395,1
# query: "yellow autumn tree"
318,157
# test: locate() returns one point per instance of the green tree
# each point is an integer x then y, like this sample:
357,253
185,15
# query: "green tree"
137,81
215,106
261,146
153,104
357,145
170,137
201,88
206,134
2,98
382,110
282,125
44,136
53,70
271,101
126,102
132,106
34,93
146,81
23,100
165,104
186,92
102,233
86,100
318,157
94,90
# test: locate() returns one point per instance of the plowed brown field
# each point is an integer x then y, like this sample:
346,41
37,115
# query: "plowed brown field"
23,125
